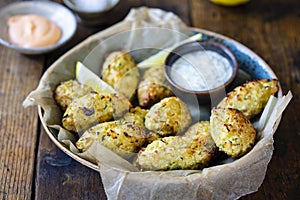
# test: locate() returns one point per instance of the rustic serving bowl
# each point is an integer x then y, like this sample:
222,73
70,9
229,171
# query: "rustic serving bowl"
249,63
255,162
59,14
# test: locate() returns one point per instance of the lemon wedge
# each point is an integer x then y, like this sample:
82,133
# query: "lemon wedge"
157,59
229,2
87,77
160,57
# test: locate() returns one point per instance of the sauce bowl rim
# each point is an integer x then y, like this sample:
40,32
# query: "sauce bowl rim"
200,46
43,8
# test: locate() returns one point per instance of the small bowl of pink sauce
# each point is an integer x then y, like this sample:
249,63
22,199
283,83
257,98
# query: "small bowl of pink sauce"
36,27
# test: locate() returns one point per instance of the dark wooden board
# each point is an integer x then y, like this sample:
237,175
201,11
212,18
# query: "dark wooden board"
32,167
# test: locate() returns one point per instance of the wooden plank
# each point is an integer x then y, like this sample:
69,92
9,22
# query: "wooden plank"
57,172
61,177
269,28
18,126
178,7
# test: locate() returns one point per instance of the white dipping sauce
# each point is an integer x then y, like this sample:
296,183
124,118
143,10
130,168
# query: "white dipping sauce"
201,70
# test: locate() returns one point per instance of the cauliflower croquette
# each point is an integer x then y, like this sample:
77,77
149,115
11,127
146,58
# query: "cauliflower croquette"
251,97
194,150
120,71
232,131
153,87
202,127
67,91
135,115
94,108
151,136
168,117
123,139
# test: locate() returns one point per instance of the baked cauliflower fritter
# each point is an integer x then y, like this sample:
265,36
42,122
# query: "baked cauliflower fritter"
202,127
153,87
135,115
251,97
194,150
92,109
168,117
123,139
69,90
120,71
151,136
232,131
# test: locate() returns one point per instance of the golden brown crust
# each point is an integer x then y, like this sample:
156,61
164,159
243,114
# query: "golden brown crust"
94,108
232,131
122,138
168,117
69,90
135,115
151,136
120,71
194,150
251,97
153,87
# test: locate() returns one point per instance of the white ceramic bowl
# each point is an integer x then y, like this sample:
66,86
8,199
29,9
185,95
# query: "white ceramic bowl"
91,12
59,14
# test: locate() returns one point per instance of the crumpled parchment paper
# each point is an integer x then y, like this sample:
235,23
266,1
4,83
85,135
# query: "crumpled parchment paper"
121,179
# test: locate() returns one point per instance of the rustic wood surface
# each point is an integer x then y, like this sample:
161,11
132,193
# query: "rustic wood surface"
32,167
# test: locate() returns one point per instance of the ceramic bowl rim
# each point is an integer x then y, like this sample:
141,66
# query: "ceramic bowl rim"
200,46
12,9
73,7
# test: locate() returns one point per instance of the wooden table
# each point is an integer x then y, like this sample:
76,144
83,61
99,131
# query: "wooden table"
32,167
